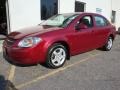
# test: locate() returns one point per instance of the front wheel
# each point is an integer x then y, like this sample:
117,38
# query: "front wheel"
108,45
56,56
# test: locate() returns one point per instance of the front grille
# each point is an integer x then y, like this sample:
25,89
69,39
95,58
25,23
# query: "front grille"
10,41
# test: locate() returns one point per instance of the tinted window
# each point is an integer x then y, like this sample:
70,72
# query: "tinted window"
48,8
87,20
60,20
100,21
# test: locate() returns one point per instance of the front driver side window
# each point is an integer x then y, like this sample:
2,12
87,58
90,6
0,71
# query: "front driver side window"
86,20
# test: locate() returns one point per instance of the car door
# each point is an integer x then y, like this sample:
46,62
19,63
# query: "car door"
82,38
101,31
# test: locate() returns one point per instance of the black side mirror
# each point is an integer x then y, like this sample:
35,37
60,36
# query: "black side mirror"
77,27
80,26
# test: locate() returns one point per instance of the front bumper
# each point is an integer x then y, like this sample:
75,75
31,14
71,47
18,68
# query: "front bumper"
24,56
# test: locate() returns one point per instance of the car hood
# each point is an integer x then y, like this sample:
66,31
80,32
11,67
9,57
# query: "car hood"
32,31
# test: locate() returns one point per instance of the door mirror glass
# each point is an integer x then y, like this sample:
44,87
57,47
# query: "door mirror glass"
83,26
80,26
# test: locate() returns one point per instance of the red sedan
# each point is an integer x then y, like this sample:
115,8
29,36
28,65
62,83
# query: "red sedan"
56,39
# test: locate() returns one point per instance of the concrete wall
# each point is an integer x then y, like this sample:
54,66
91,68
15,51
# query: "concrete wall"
116,7
104,5
24,13
67,6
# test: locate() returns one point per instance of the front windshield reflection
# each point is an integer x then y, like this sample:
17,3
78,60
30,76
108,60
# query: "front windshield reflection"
59,20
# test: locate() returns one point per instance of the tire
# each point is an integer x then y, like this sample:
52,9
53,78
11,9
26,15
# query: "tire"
109,44
56,56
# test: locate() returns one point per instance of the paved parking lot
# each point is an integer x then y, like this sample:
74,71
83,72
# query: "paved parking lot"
94,70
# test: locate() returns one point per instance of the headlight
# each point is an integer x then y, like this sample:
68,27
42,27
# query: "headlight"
29,41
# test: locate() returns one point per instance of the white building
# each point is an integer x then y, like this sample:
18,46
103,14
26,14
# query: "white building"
25,13
116,12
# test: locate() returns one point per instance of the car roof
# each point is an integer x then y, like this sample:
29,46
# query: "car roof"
81,13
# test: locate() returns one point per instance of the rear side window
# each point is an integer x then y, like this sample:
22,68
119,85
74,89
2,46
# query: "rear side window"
100,21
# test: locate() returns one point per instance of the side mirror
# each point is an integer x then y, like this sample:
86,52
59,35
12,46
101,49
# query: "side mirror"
80,26
77,27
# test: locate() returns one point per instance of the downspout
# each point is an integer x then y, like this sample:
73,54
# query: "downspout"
8,17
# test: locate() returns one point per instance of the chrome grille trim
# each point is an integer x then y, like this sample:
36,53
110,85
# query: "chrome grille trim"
10,41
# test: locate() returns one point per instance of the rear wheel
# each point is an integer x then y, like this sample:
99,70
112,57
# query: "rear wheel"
108,45
56,56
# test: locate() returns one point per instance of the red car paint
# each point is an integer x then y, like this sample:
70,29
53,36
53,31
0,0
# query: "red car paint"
77,41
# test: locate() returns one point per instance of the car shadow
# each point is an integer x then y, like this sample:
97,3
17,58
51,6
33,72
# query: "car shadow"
6,84
45,65
118,31
100,49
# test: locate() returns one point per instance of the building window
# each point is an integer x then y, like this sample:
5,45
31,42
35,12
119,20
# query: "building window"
113,17
48,8
79,6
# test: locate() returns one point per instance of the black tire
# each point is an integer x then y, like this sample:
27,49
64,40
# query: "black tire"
107,46
51,50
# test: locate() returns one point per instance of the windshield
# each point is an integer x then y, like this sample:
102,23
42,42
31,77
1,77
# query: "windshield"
59,20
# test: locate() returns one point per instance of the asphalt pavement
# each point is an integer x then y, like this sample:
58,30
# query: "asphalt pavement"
94,70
